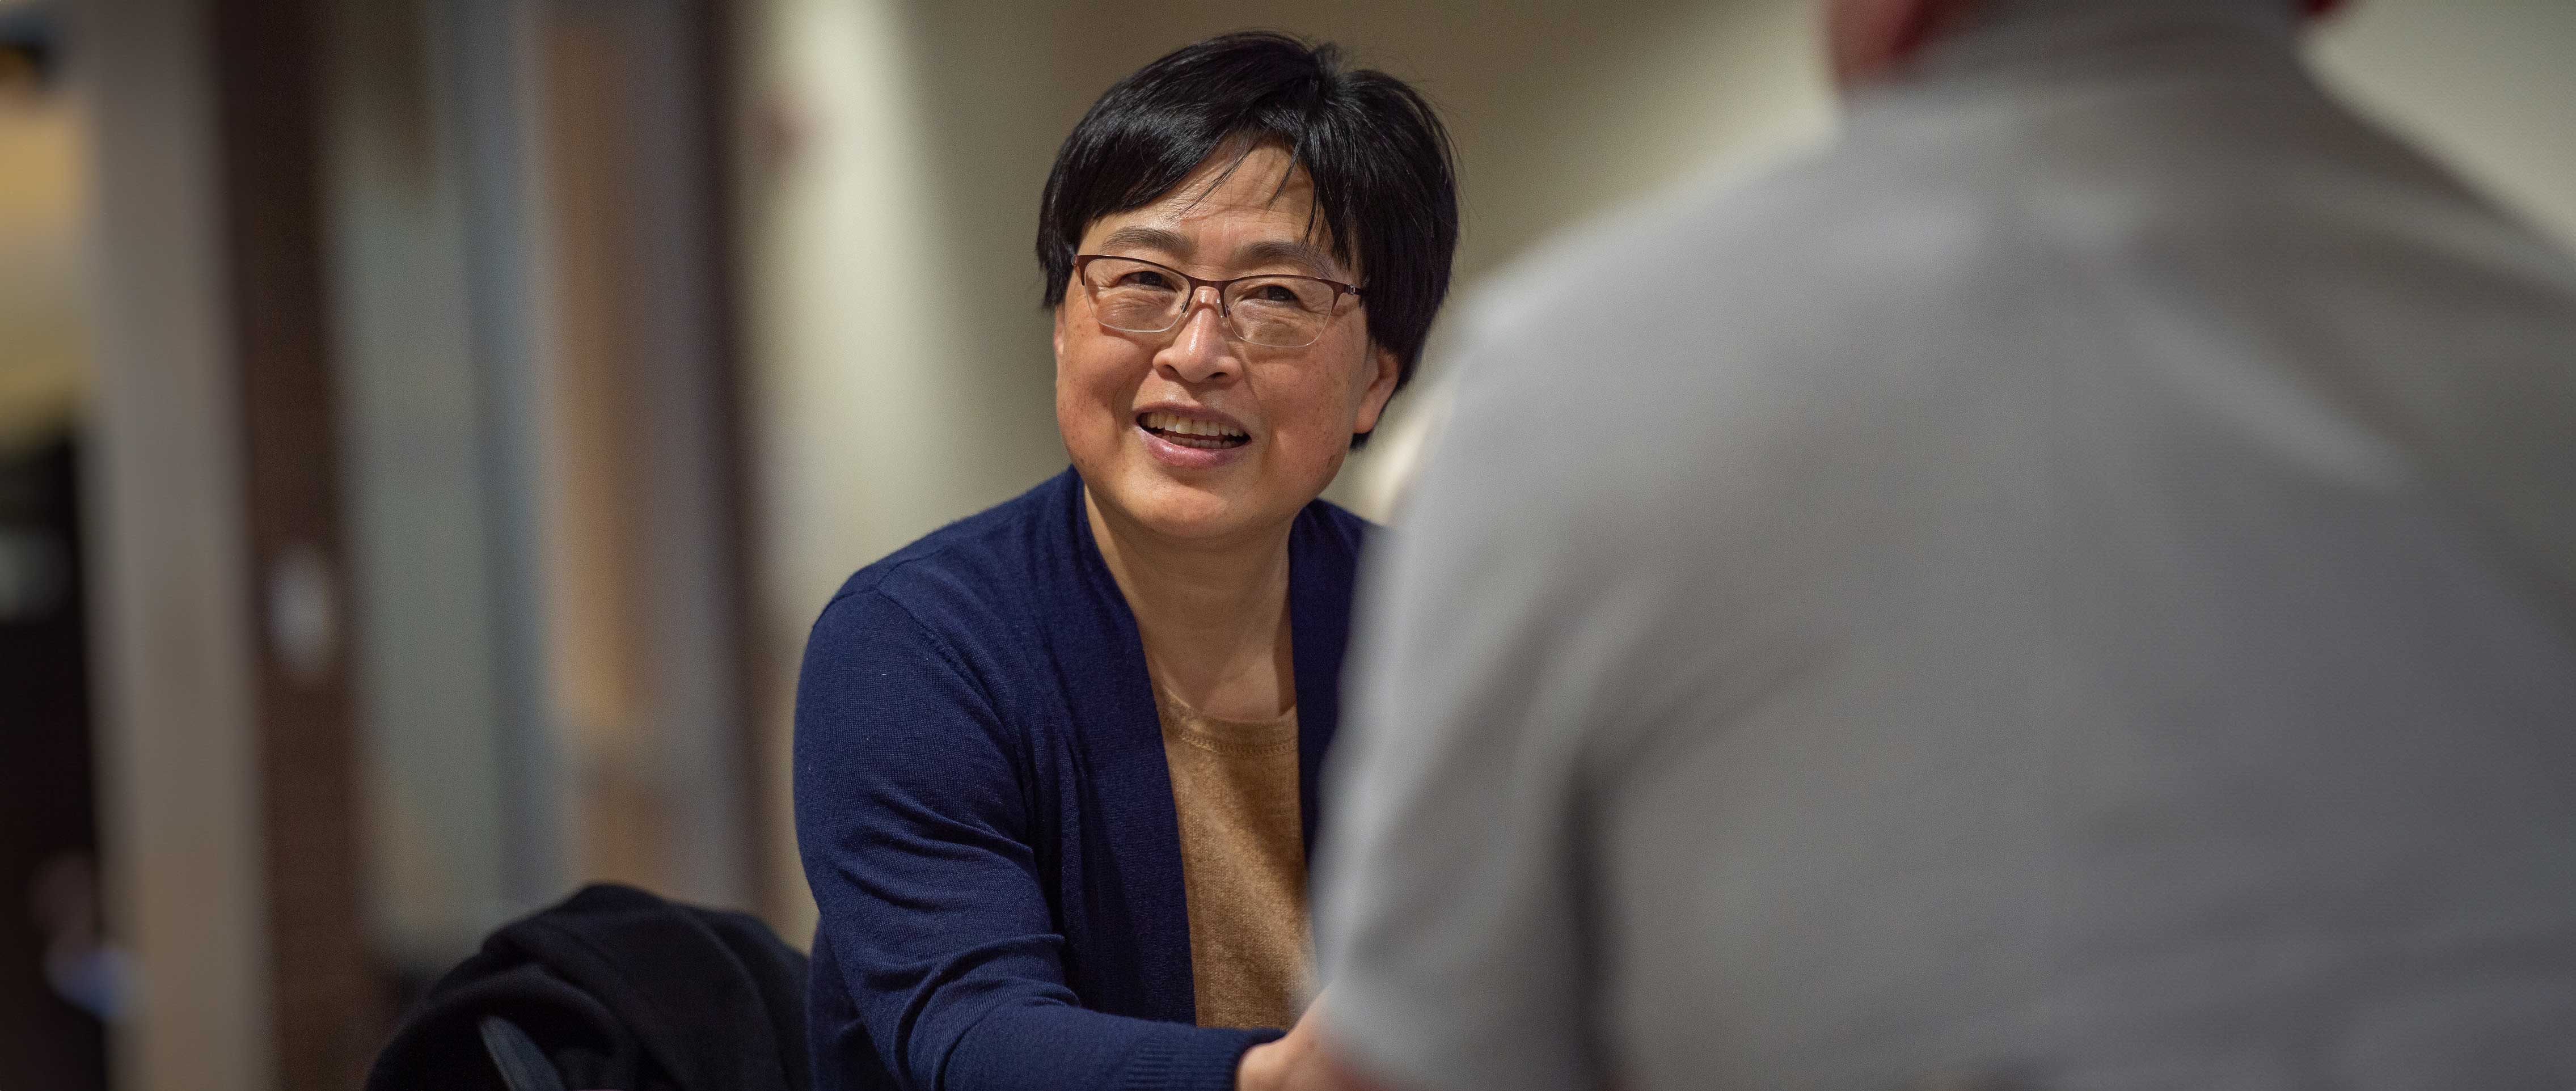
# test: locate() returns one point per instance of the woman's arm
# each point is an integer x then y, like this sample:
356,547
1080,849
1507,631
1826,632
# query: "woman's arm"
917,843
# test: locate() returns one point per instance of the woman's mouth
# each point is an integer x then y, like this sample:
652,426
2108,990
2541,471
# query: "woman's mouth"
1190,432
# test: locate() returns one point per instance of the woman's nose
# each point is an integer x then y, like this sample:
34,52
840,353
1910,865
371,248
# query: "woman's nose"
1199,350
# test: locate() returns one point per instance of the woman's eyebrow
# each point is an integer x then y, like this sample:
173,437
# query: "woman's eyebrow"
1150,238
1285,252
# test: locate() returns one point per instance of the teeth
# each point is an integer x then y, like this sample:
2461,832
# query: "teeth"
1175,423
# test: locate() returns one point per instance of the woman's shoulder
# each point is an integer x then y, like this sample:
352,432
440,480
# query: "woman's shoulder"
1344,528
1327,540
971,574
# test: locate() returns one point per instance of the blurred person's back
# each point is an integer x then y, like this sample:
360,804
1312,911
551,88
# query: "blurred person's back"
2076,585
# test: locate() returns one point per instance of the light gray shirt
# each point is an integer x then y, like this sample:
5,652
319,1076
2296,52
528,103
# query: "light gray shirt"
2074,588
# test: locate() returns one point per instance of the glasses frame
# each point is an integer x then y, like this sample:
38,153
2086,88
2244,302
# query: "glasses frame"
1224,313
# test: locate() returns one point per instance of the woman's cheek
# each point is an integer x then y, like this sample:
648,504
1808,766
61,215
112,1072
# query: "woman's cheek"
1096,389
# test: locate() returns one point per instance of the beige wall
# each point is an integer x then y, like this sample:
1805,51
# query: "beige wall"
903,365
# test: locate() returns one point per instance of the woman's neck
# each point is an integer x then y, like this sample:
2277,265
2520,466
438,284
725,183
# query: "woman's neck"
1213,615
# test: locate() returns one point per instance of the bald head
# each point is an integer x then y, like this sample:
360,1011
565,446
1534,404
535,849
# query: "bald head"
1872,39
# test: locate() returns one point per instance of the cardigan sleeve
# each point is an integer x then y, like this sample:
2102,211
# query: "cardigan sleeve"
917,841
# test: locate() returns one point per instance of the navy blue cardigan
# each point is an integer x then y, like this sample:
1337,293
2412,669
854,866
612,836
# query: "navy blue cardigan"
986,818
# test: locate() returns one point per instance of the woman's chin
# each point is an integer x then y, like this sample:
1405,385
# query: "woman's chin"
1193,518
1184,509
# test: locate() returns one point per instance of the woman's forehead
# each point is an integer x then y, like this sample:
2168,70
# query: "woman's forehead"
1235,207
1264,185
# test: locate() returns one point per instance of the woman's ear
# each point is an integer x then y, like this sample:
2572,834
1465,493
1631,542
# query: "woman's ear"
1381,387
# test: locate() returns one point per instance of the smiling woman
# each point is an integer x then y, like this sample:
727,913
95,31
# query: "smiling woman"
1257,340
1056,764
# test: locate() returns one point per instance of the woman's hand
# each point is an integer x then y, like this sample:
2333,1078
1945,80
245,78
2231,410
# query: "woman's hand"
1293,1063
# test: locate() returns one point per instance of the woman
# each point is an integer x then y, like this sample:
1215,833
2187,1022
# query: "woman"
1055,764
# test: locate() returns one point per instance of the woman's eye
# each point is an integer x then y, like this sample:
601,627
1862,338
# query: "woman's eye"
1145,280
1274,293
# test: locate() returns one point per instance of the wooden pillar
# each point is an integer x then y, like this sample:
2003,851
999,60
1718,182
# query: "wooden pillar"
268,67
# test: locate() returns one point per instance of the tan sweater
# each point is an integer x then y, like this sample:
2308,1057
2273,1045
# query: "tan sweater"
1243,863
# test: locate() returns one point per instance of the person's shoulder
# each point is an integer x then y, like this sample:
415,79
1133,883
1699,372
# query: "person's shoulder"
1730,254
1657,317
973,573
1745,320
1702,222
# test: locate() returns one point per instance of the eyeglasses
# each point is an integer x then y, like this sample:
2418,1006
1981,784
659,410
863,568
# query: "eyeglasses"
1273,310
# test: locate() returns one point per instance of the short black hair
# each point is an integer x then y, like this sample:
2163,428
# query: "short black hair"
1384,173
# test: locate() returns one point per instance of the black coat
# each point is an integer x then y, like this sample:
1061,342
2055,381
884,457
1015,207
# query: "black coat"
618,989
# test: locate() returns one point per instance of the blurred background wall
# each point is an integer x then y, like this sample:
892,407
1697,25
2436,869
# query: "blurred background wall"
427,427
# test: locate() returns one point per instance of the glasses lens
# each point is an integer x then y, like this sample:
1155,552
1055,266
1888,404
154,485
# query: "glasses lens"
1134,296
1280,312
